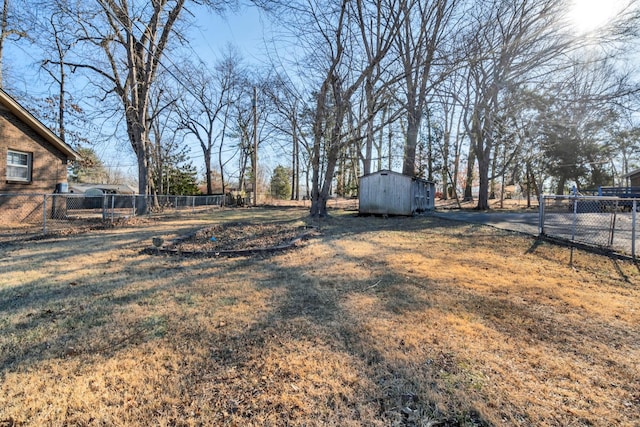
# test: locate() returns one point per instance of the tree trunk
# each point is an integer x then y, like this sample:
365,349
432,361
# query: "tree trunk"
207,166
369,130
354,174
319,202
561,183
62,88
483,190
143,184
340,175
409,162
142,60
446,140
4,33
295,168
390,146
468,187
221,163
429,148
528,184
502,189
492,182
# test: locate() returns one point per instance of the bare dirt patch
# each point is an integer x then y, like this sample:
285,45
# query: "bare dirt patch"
239,237
376,322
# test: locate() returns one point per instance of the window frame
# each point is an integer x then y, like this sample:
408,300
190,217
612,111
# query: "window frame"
28,166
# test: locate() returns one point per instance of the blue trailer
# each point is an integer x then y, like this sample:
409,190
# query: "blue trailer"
625,194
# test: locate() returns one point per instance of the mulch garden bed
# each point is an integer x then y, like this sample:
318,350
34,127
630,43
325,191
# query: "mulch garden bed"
238,238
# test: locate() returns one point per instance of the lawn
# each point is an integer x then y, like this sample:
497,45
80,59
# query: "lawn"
369,322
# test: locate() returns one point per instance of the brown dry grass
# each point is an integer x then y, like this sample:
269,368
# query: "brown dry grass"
377,322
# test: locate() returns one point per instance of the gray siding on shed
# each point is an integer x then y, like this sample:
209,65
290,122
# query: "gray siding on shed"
392,193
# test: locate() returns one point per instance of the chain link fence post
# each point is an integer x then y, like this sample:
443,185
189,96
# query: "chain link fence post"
44,214
113,207
633,228
541,215
575,219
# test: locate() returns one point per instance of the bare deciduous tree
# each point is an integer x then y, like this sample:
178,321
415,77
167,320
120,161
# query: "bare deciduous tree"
132,39
511,43
207,103
289,120
11,27
424,35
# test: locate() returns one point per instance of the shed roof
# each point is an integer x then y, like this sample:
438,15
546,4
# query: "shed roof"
387,172
29,119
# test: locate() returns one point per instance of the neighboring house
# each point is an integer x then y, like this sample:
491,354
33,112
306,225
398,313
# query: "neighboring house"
634,178
94,195
392,193
32,158
99,189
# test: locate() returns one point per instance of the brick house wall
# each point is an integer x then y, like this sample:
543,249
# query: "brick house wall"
49,164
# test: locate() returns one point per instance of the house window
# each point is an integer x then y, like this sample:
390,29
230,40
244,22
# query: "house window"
18,166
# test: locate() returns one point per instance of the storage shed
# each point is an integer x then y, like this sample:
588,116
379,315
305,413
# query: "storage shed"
391,193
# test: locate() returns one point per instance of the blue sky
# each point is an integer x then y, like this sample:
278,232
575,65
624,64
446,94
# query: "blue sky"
244,29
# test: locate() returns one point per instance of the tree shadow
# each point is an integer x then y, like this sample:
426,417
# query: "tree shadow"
51,317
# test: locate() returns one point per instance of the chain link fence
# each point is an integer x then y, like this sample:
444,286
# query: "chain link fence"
604,222
31,214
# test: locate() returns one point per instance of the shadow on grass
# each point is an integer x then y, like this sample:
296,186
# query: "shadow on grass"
306,308
316,299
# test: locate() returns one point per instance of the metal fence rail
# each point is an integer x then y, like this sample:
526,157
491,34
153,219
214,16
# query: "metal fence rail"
604,222
22,214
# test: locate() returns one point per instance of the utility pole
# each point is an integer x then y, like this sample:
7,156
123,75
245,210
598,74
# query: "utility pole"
255,146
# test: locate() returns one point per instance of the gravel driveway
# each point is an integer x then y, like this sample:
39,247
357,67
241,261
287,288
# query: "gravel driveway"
601,230
521,222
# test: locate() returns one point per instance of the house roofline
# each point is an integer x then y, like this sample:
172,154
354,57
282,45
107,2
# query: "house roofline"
633,172
14,107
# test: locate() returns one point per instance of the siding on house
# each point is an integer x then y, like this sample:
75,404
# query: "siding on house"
21,132
49,165
634,178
